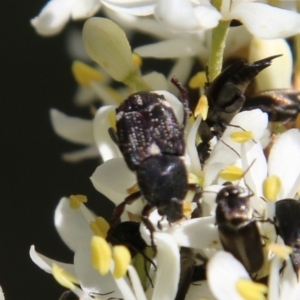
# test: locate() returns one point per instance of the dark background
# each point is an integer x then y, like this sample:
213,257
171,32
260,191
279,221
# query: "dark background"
35,76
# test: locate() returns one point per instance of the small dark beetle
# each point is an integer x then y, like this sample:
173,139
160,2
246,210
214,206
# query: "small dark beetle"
225,95
152,143
237,227
287,220
281,105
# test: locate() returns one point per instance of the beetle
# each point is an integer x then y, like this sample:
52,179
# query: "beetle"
225,96
281,105
287,223
152,143
237,227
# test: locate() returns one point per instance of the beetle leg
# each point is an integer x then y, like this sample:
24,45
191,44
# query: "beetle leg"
119,210
145,216
197,213
184,99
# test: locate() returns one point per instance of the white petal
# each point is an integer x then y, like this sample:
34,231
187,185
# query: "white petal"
91,280
136,284
73,129
82,9
223,271
278,75
53,17
156,80
265,21
73,225
107,148
167,275
112,179
84,96
132,7
284,159
1,294
77,156
173,48
255,121
180,15
46,263
200,290
197,233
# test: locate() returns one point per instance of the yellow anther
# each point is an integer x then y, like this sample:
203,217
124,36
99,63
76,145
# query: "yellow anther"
137,60
232,173
198,80
202,108
76,200
122,259
100,227
112,119
187,208
63,277
271,188
84,73
133,189
241,137
250,290
281,251
192,178
101,254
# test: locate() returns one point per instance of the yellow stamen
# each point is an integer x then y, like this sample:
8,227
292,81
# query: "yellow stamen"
112,119
133,189
76,200
192,178
63,277
137,60
297,122
202,108
232,173
84,73
101,254
198,80
100,227
250,290
241,137
187,208
271,188
122,259
281,251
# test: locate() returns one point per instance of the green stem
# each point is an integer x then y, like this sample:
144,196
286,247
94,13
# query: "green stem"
215,60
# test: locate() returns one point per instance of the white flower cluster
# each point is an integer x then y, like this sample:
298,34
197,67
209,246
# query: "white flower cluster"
186,29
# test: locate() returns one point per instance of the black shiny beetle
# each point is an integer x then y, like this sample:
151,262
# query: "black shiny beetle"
225,95
237,227
152,143
287,222
281,105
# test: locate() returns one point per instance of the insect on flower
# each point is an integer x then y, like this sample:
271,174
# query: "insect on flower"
287,222
225,96
237,227
152,143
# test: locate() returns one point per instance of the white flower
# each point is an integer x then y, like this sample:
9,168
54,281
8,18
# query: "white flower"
55,15
73,226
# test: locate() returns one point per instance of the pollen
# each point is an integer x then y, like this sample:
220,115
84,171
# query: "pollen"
241,137
101,254
133,189
250,290
122,259
63,277
232,173
202,107
100,227
85,74
271,188
137,60
281,251
187,208
76,200
198,80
